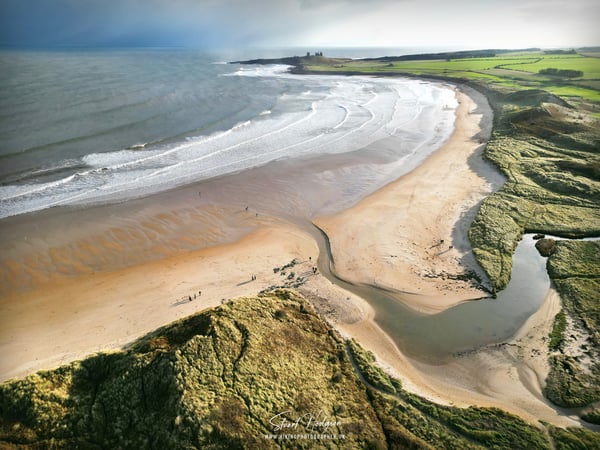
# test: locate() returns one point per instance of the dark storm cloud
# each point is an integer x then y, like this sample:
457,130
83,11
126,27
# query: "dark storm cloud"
233,23
170,22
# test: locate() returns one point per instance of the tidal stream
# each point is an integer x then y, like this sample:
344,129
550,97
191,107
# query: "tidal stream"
468,326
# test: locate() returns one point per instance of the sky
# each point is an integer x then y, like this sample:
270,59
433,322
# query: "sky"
468,24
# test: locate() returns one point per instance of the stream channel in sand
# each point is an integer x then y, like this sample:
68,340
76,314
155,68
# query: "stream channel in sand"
465,327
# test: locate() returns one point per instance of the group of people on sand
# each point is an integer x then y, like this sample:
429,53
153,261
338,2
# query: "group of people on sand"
252,277
314,268
190,297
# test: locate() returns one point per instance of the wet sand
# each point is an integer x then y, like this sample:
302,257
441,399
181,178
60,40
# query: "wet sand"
79,281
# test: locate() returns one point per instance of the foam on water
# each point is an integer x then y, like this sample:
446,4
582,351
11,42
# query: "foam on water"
260,70
332,115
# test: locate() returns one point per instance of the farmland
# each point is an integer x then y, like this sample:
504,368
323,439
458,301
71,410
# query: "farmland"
516,70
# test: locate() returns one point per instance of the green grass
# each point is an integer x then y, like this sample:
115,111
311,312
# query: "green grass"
516,70
212,380
568,385
574,267
574,91
589,66
576,259
374,375
529,63
557,337
573,438
592,416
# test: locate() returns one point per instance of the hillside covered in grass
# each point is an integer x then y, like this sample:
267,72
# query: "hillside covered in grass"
550,156
574,378
259,372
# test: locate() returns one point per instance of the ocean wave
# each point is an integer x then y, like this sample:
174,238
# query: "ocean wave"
137,146
326,115
119,158
41,173
260,71
66,184
239,125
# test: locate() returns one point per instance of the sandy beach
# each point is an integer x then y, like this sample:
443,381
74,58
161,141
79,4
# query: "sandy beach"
98,285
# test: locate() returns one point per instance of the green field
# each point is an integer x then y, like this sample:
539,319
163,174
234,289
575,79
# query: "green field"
570,92
589,66
513,70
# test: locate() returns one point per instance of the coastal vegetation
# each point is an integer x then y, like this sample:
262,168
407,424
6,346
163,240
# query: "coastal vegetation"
547,156
574,378
243,375
557,337
566,73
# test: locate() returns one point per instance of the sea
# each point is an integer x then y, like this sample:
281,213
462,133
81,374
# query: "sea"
89,126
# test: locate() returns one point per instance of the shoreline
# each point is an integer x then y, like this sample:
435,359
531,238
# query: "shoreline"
266,242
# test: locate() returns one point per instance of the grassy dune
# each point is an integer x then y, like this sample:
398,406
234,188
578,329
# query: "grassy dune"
551,161
574,378
217,380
